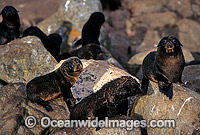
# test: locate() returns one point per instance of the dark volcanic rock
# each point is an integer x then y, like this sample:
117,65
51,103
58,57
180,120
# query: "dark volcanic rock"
15,108
184,108
23,59
191,77
69,20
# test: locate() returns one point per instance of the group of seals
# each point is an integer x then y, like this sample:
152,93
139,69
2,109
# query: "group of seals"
9,27
44,88
164,66
51,42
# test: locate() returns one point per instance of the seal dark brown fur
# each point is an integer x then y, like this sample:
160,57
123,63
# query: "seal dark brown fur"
89,51
91,30
44,88
165,66
108,101
51,42
9,27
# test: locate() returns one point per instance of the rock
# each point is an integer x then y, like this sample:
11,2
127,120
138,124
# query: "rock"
116,26
184,108
23,59
102,131
183,8
155,20
94,76
135,62
142,6
191,77
188,34
15,108
69,20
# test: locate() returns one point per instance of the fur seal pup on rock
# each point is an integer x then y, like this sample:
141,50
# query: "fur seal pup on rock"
44,88
9,27
89,51
91,30
164,66
108,101
51,42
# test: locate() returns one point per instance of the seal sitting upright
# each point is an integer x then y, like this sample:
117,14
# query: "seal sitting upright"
44,88
165,66
91,30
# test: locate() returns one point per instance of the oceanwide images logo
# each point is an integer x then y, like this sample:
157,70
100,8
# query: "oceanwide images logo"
46,122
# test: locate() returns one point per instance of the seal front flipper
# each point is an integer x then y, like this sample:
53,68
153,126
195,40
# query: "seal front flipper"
145,84
45,104
77,43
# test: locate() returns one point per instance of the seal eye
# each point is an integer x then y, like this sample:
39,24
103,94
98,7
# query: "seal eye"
71,68
164,42
174,41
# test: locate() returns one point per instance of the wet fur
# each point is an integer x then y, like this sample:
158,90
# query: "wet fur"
91,30
9,27
51,42
163,68
47,87
108,101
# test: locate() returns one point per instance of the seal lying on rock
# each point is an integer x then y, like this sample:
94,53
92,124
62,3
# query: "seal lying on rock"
9,27
165,66
89,51
108,101
91,30
44,88
51,42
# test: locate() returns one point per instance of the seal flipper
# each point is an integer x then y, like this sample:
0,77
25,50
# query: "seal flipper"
67,96
77,43
45,104
145,85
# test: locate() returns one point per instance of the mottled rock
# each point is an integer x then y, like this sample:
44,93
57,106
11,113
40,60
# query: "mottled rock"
189,31
183,8
102,131
155,20
94,76
138,7
191,77
15,108
116,26
23,59
135,62
69,20
184,108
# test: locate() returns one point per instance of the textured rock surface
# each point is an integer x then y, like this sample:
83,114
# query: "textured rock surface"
94,76
188,34
15,107
191,77
184,108
23,59
69,20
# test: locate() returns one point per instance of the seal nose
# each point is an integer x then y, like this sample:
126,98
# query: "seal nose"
169,44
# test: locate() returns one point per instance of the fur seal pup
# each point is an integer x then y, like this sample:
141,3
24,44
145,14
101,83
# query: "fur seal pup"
44,88
9,27
108,101
89,51
51,42
91,30
164,66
